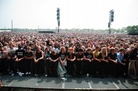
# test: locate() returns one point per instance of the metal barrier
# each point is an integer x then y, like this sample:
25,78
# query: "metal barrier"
133,69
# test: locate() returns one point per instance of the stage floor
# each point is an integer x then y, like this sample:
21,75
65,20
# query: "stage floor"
86,83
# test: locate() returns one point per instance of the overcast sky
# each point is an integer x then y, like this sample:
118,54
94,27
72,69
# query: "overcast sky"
74,13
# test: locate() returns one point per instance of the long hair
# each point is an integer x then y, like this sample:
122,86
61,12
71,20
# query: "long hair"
63,49
104,53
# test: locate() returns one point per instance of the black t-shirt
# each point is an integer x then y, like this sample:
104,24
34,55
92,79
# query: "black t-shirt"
62,55
38,55
71,56
20,53
79,55
29,54
88,55
112,56
54,56
100,56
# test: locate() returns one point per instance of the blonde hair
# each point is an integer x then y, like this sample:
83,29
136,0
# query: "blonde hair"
104,53
28,47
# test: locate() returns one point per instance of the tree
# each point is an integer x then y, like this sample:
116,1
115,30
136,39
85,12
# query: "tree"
132,29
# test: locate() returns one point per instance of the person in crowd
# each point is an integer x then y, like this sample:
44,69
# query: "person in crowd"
54,57
19,60
11,60
79,62
57,47
96,65
112,58
62,56
103,56
4,62
47,61
39,62
134,54
62,64
70,61
88,58
121,62
29,61
133,61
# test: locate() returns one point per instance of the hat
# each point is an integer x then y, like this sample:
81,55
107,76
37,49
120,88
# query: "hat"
112,48
89,49
121,49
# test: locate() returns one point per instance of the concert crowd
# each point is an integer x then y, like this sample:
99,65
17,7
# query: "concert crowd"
79,55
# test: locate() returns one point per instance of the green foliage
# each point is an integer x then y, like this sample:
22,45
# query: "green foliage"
132,29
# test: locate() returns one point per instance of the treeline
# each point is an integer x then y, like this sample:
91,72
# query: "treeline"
125,30
133,30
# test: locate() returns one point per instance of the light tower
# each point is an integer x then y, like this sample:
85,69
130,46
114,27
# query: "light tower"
58,18
111,19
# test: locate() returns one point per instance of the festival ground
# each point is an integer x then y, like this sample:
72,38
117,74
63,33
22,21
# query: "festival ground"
29,83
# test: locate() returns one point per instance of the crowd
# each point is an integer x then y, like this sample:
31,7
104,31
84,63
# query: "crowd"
72,54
